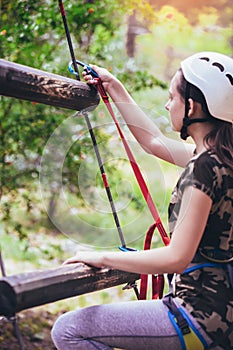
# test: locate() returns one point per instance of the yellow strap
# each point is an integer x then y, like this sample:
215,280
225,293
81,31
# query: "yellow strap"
192,341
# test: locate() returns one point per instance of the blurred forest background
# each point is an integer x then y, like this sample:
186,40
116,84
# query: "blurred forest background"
142,43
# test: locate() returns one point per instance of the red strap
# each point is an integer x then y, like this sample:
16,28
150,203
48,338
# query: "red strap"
158,280
137,172
144,278
157,286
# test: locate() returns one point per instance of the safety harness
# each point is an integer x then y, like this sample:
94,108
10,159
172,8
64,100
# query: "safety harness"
189,336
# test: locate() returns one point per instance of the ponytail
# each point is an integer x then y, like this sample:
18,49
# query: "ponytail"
220,139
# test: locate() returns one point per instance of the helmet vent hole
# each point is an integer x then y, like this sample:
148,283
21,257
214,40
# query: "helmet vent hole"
205,59
229,76
216,64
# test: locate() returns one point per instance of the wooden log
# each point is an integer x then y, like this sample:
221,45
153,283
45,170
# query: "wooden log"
26,290
31,84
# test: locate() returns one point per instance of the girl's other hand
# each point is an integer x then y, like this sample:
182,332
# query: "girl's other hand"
89,258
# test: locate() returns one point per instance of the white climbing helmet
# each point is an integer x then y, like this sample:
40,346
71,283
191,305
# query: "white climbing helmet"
212,73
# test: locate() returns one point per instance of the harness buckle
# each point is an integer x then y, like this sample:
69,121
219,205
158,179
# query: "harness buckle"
184,327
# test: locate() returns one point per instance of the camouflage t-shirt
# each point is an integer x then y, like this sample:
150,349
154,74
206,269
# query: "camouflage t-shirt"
206,292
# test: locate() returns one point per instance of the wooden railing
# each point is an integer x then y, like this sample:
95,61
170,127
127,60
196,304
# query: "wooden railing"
27,290
31,84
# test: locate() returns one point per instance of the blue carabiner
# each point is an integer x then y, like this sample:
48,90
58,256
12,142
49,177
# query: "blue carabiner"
127,249
85,66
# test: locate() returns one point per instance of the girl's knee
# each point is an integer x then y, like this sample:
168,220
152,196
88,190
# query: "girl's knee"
59,331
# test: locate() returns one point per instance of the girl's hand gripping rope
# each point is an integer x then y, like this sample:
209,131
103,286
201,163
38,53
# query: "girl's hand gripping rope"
95,75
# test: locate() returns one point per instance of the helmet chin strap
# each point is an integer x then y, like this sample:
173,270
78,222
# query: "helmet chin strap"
186,120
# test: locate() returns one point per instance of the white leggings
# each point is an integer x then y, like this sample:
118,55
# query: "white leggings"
136,325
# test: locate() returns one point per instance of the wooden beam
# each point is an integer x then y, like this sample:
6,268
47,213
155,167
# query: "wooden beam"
26,290
31,84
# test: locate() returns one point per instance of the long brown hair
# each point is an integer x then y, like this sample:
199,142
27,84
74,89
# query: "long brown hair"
220,138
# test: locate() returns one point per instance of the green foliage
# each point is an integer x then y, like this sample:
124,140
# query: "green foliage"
33,34
136,81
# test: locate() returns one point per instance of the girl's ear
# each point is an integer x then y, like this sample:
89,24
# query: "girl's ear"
191,107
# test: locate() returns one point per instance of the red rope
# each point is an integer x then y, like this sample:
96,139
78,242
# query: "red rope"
137,172
157,280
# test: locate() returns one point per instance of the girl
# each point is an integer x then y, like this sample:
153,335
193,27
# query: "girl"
199,313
